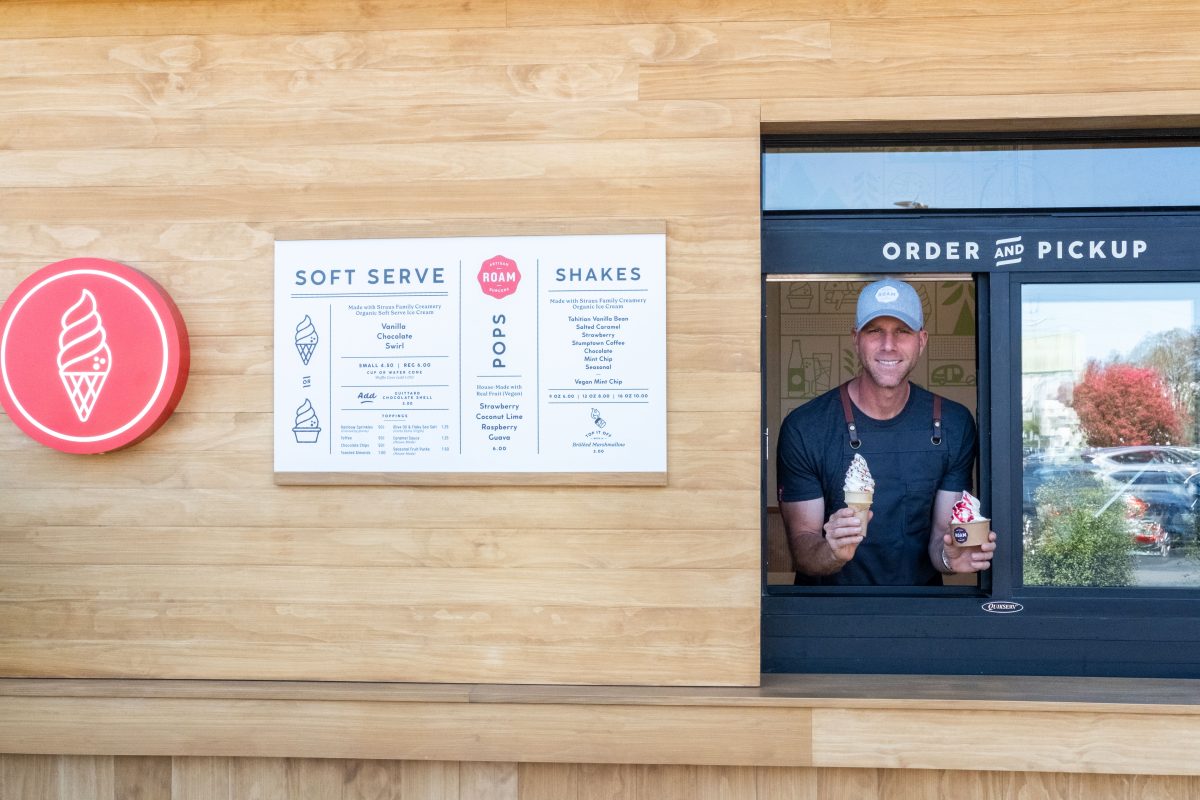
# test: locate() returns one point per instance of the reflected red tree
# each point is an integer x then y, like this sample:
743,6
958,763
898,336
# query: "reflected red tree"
1120,404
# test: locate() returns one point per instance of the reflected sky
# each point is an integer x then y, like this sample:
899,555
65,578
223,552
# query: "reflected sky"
1108,317
982,178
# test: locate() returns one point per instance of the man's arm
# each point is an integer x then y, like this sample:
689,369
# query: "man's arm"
820,549
959,559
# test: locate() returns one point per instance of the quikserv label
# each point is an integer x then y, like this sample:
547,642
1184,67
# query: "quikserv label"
93,355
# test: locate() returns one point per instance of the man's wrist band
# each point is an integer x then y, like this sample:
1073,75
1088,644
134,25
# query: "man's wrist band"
946,561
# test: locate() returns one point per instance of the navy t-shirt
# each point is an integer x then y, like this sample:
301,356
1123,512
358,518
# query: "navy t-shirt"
814,452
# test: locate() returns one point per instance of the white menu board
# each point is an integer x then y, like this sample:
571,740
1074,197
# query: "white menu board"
537,359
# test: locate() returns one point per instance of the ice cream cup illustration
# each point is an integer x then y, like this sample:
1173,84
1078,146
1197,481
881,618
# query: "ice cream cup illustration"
84,358
970,534
860,504
307,428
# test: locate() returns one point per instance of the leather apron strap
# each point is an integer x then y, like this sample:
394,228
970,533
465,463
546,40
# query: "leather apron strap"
852,429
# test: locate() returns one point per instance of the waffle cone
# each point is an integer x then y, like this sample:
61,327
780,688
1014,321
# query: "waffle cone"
860,504
83,389
857,499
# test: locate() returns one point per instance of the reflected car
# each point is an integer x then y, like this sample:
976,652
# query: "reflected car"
1037,472
1150,537
1168,494
1109,458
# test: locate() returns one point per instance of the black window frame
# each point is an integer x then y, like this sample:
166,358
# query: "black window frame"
1145,632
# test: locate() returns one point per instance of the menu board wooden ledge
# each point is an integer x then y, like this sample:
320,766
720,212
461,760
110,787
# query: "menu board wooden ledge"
471,479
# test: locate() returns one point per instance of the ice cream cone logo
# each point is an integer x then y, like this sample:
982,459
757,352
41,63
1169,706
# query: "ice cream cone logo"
94,356
306,339
84,358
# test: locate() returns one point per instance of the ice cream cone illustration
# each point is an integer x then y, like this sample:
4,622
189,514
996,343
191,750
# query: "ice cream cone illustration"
306,339
307,428
84,358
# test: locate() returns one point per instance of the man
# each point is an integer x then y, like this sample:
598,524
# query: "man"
920,449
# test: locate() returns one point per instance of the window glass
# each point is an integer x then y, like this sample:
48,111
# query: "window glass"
1110,390
980,176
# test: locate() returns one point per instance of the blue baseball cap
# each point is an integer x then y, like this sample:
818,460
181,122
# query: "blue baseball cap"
890,298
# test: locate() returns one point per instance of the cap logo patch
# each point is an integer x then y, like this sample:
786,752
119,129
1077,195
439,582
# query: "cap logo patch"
887,294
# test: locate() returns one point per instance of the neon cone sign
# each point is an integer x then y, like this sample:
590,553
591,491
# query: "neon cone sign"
93,355
84,358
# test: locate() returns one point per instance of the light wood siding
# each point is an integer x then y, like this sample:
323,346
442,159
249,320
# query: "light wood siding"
183,138
163,778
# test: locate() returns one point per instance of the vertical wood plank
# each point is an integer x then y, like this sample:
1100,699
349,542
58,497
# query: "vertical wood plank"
487,780
314,778
786,783
29,777
548,781
835,783
200,778
1161,787
724,783
86,776
437,780
905,783
142,777
259,778
667,782
607,782
372,780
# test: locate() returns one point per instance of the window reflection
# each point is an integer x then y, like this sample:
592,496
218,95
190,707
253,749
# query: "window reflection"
980,176
1110,380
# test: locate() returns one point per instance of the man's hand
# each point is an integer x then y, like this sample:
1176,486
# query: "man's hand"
844,533
969,559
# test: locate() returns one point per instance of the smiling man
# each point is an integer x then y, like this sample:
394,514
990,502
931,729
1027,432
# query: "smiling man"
920,449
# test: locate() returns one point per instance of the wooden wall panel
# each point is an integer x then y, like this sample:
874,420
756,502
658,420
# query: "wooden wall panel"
184,137
398,49
163,778
40,18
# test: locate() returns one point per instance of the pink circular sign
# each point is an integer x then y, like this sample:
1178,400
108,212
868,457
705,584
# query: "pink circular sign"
93,355
499,276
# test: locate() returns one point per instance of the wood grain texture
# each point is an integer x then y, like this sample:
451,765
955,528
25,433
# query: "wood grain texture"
682,195
936,739
322,779
1063,111
609,12
931,75
849,720
375,164
455,547
169,94
399,49
610,734
92,126
40,18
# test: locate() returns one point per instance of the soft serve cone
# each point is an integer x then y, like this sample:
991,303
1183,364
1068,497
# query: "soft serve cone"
859,489
84,358
860,504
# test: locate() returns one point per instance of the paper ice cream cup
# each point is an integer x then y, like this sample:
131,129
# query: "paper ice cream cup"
970,534
306,435
860,504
